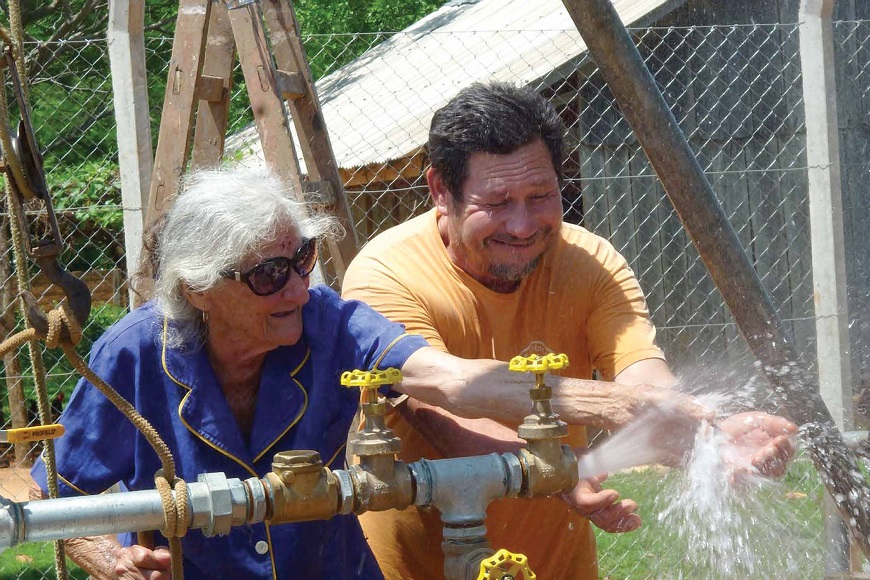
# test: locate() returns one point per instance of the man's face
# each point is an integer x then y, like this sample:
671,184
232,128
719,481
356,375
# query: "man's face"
510,215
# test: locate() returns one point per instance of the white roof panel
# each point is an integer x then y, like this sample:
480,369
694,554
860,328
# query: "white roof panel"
378,107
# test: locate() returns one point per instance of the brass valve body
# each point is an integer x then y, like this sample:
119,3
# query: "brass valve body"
382,483
302,489
546,476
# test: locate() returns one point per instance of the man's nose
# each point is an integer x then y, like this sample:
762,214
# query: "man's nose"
521,222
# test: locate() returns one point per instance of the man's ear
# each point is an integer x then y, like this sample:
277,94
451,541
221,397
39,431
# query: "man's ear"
441,196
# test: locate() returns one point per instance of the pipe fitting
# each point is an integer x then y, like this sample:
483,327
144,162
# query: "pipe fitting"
300,488
381,483
462,487
550,471
462,560
219,504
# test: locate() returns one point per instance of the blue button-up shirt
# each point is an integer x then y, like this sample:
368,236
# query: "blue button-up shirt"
300,405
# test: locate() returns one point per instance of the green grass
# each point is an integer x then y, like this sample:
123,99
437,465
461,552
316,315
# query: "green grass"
783,527
33,562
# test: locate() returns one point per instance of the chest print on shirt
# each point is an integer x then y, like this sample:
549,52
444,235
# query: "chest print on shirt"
536,347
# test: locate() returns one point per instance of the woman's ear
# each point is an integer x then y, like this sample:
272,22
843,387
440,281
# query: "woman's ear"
199,300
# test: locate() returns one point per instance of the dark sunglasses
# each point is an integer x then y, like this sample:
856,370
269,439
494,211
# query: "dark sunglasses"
270,276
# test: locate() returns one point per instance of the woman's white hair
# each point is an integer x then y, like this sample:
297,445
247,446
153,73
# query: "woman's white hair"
220,219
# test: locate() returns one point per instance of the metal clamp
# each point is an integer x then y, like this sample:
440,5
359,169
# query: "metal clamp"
47,249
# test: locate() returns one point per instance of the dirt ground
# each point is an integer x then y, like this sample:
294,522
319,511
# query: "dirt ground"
13,483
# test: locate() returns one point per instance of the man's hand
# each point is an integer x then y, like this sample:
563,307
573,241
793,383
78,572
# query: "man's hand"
140,563
760,443
601,507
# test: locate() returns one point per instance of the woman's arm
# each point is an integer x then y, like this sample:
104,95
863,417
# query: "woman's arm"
104,558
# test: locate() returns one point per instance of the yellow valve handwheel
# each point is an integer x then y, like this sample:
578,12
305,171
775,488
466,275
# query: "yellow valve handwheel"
370,379
538,364
504,565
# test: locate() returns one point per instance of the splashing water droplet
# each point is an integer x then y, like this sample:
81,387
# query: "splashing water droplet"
702,524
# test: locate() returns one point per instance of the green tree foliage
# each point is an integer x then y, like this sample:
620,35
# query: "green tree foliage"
356,16
361,24
71,95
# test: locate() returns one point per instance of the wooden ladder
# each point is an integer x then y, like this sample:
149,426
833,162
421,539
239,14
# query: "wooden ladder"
208,34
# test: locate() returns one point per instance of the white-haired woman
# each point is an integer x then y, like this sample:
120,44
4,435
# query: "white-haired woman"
235,360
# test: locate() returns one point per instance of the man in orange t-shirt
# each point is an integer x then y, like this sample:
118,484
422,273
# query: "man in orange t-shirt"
492,272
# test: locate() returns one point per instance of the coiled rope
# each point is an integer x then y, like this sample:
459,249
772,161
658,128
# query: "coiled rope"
175,506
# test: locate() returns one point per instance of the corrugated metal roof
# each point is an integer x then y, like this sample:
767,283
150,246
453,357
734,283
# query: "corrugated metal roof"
378,107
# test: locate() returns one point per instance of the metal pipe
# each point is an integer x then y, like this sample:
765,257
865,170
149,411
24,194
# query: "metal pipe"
71,517
216,504
462,488
656,129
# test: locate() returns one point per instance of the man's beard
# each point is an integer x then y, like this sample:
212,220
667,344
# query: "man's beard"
513,272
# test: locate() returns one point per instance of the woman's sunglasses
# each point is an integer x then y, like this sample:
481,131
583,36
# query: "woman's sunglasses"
270,276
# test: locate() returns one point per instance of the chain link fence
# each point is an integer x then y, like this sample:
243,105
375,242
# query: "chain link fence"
736,91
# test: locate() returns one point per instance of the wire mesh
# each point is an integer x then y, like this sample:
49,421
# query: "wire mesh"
735,90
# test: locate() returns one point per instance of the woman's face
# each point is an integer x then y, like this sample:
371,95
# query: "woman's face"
237,317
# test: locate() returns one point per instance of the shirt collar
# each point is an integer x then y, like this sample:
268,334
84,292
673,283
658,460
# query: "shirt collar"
281,400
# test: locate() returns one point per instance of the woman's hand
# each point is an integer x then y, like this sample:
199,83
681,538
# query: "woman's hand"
140,563
759,443
601,507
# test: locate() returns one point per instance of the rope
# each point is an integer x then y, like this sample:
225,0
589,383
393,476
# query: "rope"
175,506
175,517
176,511
17,25
21,270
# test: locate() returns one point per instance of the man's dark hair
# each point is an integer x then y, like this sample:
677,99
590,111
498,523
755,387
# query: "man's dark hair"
493,118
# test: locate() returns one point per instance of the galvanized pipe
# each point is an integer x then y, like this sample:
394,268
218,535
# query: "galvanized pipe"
72,517
462,488
216,504
794,388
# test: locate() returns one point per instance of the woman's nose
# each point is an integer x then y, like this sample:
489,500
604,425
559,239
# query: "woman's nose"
296,289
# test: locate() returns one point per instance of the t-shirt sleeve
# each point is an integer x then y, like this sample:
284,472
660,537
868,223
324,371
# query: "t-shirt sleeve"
365,339
619,330
94,452
371,281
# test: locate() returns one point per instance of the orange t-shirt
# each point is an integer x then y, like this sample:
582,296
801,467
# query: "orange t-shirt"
582,299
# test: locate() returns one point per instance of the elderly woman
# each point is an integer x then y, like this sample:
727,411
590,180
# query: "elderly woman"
236,358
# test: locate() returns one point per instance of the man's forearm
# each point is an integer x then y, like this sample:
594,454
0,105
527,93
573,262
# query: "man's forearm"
486,388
